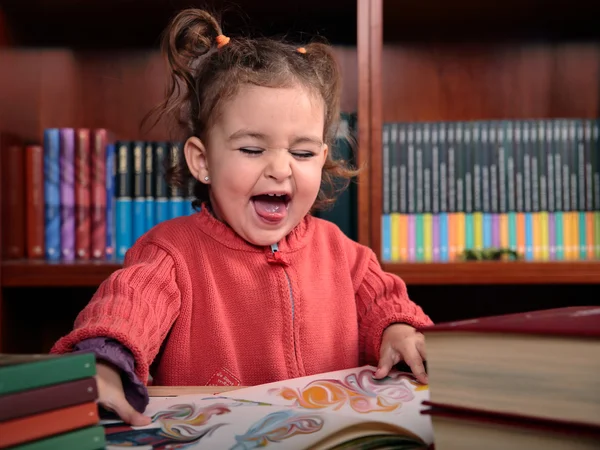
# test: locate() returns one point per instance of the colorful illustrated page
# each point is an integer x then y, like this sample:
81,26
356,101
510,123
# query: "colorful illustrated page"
397,399
345,409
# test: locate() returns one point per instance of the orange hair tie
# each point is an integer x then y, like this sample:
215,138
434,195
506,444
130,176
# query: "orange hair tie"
301,50
222,40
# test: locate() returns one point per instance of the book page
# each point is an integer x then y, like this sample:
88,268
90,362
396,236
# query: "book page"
397,399
346,407
201,422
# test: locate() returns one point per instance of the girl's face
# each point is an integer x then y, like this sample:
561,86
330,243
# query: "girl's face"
263,156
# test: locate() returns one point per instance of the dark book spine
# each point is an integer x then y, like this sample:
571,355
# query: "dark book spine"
139,193
403,169
34,204
394,164
150,186
386,205
161,158
493,163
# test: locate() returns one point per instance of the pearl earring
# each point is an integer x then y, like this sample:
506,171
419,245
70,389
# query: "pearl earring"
206,178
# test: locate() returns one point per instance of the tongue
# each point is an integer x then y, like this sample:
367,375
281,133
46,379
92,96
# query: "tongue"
270,207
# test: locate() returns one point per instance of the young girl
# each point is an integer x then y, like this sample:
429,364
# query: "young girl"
251,288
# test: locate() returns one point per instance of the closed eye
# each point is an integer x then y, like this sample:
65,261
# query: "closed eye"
251,151
303,155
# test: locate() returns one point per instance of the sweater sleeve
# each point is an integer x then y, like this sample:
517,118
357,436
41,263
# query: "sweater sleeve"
135,306
113,352
382,300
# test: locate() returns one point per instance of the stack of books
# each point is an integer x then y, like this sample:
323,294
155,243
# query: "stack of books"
517,381
48,402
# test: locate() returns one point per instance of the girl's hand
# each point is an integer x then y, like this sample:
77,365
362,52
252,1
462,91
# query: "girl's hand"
112,396
401,342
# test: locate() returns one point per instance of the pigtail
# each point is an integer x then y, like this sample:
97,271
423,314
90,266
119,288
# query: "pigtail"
190,35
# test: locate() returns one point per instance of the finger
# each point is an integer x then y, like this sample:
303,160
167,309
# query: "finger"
386,362
128,414
415,362
422,349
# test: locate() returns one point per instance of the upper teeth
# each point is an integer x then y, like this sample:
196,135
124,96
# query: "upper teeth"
276,195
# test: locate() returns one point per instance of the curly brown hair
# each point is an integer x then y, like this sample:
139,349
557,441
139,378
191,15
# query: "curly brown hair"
202,76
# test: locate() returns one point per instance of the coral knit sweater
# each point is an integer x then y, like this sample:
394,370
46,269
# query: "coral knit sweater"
204,307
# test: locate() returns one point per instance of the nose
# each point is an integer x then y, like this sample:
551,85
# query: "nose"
279,165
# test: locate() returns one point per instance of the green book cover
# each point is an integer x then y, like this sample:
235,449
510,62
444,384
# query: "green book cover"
23,372
90,438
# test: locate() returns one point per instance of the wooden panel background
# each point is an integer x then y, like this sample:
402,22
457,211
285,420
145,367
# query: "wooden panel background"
62,88
462,81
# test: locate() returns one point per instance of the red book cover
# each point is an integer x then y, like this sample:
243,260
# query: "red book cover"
34,192
578,321
98,213
12,174
82,194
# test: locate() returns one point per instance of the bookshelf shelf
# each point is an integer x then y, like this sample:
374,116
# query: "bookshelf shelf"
90,274
25,273
497,273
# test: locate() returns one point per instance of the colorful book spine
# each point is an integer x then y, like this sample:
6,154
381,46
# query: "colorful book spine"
52,194
82,194
99,194
67,193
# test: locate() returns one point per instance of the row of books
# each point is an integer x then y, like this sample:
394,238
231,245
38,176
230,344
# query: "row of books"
530,186
83,195
87,196
48,402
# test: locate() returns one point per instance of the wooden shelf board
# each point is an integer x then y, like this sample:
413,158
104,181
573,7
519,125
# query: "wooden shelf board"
25,273
497,272
90,274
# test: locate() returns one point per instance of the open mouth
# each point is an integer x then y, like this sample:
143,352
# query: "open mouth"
271,207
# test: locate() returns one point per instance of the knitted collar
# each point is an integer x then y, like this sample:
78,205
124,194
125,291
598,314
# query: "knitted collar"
225,235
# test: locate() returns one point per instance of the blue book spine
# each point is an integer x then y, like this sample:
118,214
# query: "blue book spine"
444,247
150,187
529,236
139,194
52,194
111,174
124,201
386,237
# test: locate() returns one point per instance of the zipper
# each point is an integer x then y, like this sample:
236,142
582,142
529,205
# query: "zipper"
276,256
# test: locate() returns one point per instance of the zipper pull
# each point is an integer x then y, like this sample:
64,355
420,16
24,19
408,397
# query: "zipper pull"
275,256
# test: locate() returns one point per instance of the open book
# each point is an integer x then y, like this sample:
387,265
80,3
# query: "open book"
335,410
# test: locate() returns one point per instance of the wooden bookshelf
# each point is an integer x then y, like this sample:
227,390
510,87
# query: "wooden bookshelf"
497,272
25,273
90,274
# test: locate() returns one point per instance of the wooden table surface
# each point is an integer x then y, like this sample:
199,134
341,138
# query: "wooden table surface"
170,391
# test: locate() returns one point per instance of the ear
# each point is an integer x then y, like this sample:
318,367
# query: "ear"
195,157
325,152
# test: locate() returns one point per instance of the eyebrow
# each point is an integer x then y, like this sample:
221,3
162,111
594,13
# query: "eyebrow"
263,137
